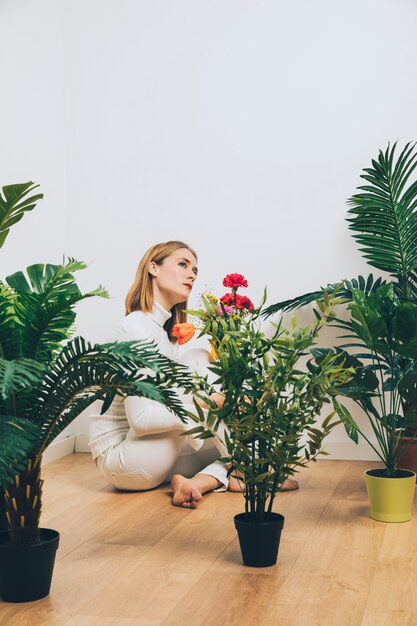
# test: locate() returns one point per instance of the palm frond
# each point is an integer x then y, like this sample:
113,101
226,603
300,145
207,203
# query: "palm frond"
142,353
345,293
19,374
13,204
44,304
84,373
411,293
384,219
17,438
294,303
10,335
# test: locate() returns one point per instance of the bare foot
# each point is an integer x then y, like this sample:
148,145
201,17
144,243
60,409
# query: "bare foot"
289,485
185,493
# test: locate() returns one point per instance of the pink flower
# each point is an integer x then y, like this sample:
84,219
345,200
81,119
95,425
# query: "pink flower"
228,310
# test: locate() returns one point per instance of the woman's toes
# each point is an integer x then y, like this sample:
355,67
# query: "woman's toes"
196,495
185,493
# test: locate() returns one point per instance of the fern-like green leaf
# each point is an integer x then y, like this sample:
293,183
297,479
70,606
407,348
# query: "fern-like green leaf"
18,375
384,217
44,303
84,373
367,285
14,202
10,332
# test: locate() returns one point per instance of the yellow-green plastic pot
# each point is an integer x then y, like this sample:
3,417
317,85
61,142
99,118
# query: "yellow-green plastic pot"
391,499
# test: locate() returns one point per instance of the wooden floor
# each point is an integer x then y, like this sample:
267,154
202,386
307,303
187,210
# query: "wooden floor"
132,558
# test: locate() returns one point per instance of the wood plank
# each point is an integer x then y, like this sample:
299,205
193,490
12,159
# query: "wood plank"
82,620
156,582
393,589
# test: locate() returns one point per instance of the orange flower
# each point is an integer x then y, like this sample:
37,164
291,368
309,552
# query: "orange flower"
184,332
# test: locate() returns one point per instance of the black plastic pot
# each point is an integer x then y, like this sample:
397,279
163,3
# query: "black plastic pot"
26,571
259,541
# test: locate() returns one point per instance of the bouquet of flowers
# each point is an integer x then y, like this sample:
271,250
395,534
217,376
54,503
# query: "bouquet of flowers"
269,400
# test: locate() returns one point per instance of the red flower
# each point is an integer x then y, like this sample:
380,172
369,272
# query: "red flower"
234,281
242,302
228,299
184,332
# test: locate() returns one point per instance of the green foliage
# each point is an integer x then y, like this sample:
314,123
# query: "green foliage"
384,219
13,204
43,304
384,330
270,399
19,374
344,292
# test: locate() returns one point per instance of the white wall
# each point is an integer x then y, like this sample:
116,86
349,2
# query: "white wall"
238,126
32,137
33,131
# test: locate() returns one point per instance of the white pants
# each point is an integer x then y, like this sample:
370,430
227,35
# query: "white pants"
140,463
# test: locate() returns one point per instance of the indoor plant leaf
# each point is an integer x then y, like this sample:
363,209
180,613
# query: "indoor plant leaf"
14,202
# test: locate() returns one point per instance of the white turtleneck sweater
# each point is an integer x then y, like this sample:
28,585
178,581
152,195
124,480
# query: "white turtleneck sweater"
141,415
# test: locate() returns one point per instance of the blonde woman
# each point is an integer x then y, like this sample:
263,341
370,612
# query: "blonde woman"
137,443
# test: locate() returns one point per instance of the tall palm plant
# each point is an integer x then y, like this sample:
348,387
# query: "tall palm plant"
16,434
383,219
48,383
47,377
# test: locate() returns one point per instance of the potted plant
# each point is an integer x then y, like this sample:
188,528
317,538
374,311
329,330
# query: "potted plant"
383,330
383,220
46,380
269,402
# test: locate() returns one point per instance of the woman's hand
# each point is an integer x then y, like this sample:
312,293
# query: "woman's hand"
218,398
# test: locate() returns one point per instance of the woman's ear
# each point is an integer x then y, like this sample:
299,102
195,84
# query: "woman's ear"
152,268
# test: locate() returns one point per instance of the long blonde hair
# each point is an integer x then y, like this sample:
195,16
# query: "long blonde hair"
140,295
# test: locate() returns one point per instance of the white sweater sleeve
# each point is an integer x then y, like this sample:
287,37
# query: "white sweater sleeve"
145,416
149,417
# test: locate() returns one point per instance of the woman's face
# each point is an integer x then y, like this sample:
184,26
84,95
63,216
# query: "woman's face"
173,279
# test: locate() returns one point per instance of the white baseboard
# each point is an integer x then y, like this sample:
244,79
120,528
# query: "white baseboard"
58,449
349,451
81,443
337,450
